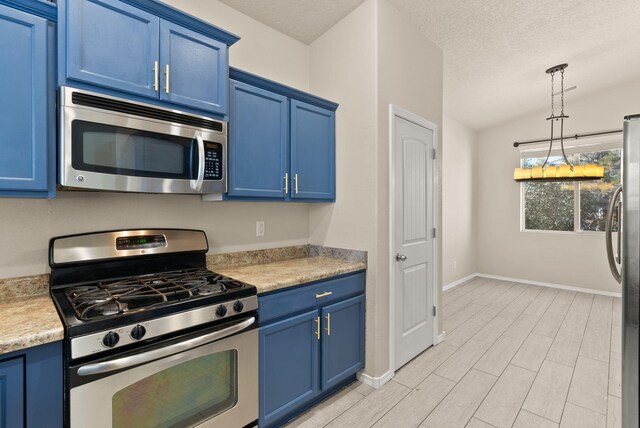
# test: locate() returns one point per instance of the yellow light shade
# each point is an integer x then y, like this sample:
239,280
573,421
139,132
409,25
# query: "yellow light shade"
592,170
536,172
521,173
578,171
565,171
551,172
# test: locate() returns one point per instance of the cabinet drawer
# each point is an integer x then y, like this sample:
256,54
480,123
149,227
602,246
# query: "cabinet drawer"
312,295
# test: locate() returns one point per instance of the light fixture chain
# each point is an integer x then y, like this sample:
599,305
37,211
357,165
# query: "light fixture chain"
552,104
562,92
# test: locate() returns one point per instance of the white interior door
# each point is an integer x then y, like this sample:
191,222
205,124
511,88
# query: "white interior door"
413,238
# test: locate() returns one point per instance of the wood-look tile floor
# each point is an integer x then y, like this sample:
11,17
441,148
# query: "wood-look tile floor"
514,355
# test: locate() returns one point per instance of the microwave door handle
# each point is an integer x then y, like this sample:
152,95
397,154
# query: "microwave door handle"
196,184
156,354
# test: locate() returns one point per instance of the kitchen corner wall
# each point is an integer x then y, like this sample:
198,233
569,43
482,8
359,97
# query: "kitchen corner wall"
26,225
573,259
458,222
372,58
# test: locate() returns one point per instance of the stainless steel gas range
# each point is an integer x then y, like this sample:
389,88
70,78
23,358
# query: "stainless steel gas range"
153,339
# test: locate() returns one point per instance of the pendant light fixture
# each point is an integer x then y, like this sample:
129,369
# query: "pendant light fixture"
568,171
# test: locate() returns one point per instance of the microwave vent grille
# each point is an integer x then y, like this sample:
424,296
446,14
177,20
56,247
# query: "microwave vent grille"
144,111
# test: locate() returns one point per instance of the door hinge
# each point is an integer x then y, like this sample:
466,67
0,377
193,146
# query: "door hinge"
434,232
435,311
434,153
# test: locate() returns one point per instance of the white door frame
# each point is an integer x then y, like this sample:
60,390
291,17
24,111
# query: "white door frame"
395,111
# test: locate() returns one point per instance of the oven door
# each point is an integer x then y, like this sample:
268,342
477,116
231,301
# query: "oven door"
209,380
107,149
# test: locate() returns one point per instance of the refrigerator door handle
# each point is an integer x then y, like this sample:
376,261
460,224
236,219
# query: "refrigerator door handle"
614,260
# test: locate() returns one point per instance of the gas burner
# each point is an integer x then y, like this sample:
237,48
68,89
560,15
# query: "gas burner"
110,298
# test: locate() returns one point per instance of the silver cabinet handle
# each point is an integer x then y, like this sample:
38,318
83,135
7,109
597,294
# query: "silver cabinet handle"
401,257
166,86
286,183
197,183
155,75
608,232
156,354
295,183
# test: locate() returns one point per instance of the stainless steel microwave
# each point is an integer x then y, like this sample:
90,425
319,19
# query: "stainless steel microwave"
109,143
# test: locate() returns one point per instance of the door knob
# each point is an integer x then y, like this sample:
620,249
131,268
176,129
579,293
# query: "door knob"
401,257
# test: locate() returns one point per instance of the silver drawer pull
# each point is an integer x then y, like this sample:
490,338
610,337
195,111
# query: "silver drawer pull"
326,293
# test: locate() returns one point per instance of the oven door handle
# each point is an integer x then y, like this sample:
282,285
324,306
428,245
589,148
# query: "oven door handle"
134,360
196,184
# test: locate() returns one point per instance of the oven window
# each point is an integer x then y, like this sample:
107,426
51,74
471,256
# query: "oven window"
181,396
126,151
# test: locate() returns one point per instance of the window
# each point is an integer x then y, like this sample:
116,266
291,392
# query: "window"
571,206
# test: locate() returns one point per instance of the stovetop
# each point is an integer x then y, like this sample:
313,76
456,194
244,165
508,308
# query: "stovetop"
142,292
114,281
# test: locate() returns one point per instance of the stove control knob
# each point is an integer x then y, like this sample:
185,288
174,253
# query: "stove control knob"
238,306
110,339
221,311
138,332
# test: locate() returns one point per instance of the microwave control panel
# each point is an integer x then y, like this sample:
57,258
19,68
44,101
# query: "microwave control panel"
212,161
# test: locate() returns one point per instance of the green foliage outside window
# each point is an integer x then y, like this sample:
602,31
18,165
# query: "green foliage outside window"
551,206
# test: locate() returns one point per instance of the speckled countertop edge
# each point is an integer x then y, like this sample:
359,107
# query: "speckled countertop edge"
275,269
28,316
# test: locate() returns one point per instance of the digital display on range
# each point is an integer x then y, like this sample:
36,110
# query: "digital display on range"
140,242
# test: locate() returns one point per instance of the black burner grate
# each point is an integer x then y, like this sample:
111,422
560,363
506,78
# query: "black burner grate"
108,298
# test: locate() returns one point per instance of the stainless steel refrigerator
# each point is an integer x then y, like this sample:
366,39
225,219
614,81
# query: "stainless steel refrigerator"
627,202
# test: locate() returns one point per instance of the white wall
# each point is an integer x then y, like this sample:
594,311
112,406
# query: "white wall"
372,58
562,258
343,69
26,225
458,220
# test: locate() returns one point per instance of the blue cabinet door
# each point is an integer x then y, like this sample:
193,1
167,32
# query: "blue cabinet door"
12,393
24,112
195,69
342,340
312,152
258,142
288,366
112,44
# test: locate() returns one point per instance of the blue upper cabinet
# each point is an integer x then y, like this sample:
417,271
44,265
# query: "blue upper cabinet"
343,341
196,69
112,44
281,142
27,113
258,142
312,152
146,50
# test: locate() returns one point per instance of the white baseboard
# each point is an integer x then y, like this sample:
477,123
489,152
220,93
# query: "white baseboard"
550,285
441,337
376,382
450,285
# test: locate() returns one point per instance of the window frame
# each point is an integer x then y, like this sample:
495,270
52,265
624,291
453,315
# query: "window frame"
576,205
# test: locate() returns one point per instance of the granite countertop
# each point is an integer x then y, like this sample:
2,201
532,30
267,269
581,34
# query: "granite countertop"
316,264
28,316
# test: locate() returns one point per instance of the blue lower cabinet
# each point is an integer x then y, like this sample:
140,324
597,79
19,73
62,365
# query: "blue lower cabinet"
342,341
12,392
288,366
31,387
309,350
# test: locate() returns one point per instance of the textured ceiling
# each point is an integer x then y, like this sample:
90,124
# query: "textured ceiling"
496,51
304,20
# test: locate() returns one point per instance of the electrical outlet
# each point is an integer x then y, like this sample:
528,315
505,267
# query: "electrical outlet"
259,228
455,264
